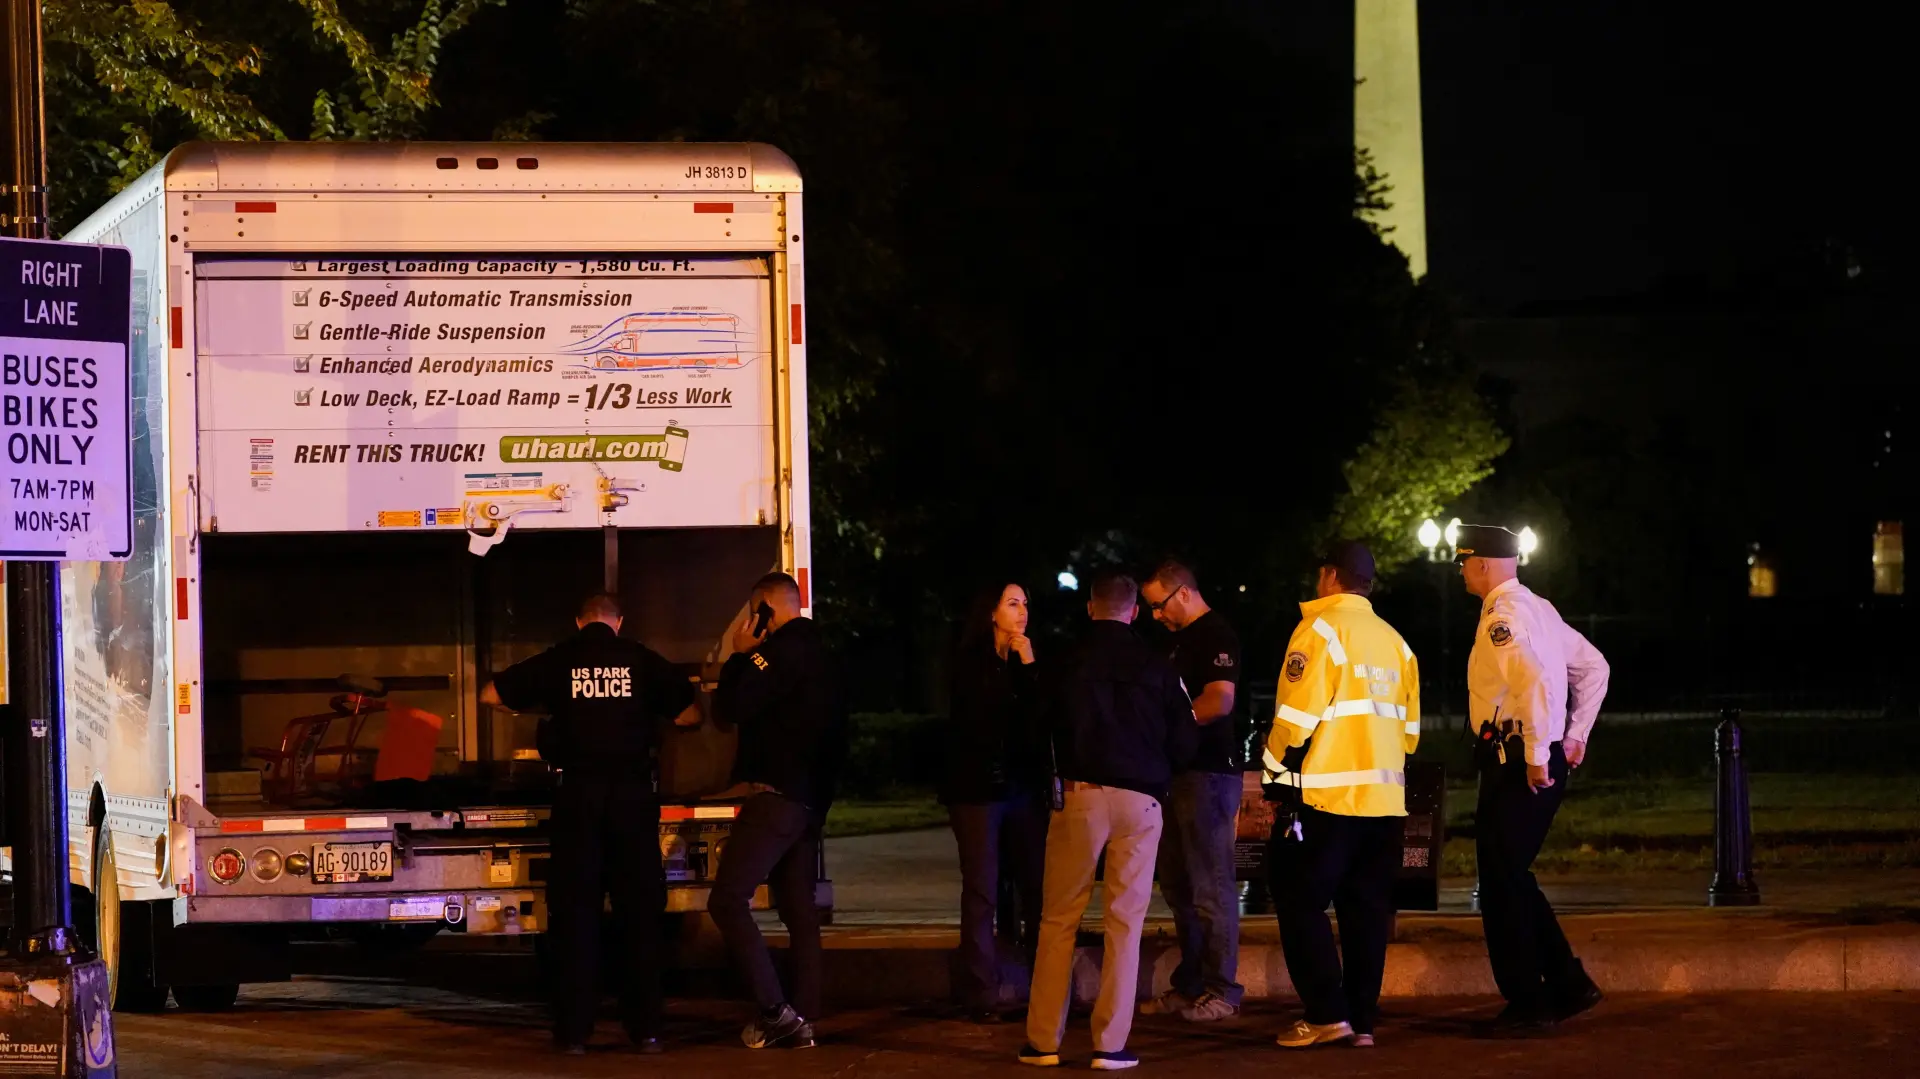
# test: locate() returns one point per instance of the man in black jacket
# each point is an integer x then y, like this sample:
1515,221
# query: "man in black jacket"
1122,724
783,689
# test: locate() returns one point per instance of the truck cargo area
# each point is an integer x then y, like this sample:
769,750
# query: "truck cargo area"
419,625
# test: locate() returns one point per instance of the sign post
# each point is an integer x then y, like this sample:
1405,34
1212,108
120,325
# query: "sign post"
65,489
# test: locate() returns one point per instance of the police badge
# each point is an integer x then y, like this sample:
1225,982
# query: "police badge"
1296,666
1500,634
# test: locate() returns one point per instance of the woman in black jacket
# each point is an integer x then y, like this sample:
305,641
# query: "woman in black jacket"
998,766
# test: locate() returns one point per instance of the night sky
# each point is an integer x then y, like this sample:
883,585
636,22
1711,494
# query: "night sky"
1584,152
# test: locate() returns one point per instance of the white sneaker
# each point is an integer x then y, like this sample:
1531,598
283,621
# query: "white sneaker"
1209,1008
1303,1034
1171,1002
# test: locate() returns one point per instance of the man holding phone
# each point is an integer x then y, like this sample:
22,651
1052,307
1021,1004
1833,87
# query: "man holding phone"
782,688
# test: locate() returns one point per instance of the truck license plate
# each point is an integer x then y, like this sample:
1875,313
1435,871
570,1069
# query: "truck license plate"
352,863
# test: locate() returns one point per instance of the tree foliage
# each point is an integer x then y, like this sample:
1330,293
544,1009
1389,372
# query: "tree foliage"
129,79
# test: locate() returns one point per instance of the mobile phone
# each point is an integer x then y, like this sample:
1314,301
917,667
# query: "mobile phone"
762,615
676,456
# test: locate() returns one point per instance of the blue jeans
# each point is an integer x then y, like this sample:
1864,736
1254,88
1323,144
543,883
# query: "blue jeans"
1196,878
993,837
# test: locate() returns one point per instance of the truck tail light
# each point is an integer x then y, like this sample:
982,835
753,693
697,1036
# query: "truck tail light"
226,865
266,865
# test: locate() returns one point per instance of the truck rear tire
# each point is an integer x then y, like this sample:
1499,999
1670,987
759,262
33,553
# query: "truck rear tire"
205,998
97,915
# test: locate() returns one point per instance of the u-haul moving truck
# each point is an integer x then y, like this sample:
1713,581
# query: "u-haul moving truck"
396,409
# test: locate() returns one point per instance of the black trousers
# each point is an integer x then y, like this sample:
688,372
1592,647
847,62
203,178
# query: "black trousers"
1350,862
1000,843
606,840
775,840
1530,956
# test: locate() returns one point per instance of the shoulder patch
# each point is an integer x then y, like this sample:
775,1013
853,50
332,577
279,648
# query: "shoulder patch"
1500,634
1223,660
1296,666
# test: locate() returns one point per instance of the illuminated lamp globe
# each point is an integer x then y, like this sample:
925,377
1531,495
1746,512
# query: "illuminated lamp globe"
1429,534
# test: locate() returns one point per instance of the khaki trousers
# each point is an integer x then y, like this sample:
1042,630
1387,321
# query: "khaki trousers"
1127,826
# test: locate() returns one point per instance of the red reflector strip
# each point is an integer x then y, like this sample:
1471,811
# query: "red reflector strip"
713,207
177,323
798,324
806,593
255,207
677,813
304,824
180,598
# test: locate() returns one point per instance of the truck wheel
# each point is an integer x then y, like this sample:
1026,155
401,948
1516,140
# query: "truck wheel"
205,998
97,916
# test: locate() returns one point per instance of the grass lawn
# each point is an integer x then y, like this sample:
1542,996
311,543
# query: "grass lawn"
1799,821
910,811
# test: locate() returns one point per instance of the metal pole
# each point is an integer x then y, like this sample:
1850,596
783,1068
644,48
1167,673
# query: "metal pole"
36,734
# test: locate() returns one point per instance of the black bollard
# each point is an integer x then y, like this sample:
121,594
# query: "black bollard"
1733,884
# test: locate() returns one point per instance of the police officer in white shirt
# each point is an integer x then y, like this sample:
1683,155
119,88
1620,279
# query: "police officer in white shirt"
1535,685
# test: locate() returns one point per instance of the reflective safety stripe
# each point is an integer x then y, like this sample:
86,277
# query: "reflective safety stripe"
1306,721
1370,708
1406,650
1367,778
1334,650
1413,727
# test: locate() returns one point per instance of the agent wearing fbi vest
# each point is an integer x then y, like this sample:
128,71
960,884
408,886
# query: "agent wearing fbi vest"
1347,714
1535,686
605,696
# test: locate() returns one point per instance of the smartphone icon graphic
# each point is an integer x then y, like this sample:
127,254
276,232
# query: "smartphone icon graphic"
676,449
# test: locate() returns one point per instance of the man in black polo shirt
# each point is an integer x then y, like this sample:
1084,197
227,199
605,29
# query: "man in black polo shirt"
1196,849
604,695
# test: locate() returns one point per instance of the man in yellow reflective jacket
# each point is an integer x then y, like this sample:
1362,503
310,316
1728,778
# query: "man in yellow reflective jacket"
1346,716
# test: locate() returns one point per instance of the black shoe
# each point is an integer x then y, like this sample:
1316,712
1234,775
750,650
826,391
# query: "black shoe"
1519,1021
986,1017
1577,995
774,1026
650,1046
800,1039
570,1049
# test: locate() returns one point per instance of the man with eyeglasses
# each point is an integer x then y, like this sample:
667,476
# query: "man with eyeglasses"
1196,847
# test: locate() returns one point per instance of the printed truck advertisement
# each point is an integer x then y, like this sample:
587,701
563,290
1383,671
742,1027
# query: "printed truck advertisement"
340,394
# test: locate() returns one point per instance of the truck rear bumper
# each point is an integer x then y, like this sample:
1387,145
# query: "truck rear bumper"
492,911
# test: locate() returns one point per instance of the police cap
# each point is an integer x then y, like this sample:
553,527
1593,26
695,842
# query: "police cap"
1352,559
1485,541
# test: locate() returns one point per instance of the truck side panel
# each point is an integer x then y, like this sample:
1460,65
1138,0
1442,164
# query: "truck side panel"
119,652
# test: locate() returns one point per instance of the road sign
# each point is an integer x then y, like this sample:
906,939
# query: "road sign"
66,444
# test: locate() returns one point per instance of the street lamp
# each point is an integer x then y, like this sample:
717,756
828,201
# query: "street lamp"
1430,535
1529,542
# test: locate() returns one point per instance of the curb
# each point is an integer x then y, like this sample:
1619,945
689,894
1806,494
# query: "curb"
871,969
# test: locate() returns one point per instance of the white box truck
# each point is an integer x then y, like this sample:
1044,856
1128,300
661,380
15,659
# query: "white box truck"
397,408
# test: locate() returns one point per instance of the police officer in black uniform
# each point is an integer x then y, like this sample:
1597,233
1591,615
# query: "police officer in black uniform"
605,695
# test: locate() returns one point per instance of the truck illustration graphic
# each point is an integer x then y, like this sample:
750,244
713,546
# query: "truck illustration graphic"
681,338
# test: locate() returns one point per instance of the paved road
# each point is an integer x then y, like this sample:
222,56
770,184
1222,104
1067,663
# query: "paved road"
377,1030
